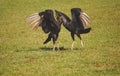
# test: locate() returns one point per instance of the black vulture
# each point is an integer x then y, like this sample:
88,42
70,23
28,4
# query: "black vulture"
46,20
76,25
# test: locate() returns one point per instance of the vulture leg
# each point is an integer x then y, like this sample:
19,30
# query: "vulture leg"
72,35
48,39
55,42
80,39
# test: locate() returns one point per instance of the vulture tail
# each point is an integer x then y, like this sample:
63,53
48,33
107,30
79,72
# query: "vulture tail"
87,30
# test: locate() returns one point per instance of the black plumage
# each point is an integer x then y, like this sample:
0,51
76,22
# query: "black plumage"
46,20
76,25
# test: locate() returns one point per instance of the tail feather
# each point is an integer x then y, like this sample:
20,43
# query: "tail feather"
87,30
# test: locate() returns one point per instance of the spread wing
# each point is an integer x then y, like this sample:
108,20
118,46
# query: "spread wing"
80,16
35,20
42,19
84,18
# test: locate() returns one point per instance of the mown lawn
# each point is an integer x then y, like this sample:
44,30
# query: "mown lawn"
23,54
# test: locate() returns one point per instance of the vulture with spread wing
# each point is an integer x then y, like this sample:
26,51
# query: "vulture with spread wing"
76,25
46,20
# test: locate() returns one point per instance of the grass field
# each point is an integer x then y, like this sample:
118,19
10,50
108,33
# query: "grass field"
23,54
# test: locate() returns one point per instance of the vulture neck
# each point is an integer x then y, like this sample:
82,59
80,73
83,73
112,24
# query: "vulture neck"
66,22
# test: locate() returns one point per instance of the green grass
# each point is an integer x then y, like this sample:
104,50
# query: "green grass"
23,54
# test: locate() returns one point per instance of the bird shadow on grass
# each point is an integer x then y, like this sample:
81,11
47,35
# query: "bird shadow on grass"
42,49
47,49
51,49
60,49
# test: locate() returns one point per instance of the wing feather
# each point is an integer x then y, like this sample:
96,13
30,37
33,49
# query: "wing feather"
84,18
83,22
35,20
80,17
35,26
